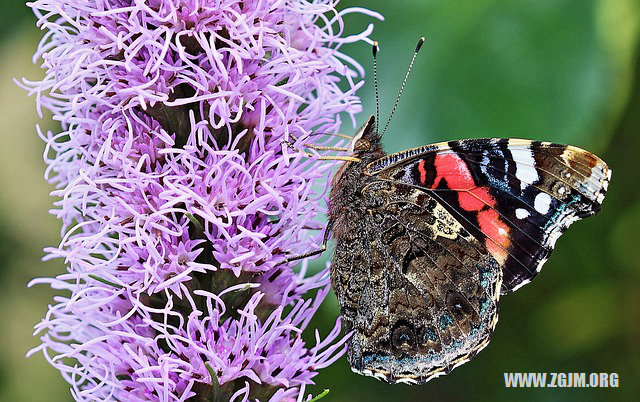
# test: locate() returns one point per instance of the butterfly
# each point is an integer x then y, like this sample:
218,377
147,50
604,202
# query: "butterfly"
428,239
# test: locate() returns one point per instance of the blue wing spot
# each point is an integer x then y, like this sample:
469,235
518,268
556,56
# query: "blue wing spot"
560,210
445,321
429,335
486,275
485,278
375,357
485,305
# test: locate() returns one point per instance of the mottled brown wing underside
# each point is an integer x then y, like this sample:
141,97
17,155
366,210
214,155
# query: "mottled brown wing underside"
420,292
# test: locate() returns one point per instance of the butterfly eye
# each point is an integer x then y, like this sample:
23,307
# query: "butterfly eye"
362,145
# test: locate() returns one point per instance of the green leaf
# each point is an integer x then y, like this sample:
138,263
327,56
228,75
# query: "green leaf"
215,384
195,221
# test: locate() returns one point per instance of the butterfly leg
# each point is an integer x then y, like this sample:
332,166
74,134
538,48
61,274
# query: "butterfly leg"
321,250
322,148
346,137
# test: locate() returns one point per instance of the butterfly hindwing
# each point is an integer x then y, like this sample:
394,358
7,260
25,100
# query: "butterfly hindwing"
420,293
515,196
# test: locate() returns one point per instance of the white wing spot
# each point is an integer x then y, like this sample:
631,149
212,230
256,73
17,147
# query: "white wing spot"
525,166
542,203
521,213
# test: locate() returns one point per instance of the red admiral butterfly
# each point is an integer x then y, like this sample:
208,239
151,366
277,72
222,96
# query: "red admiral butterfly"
429,238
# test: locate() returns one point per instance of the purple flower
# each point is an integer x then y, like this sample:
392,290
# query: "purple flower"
178,198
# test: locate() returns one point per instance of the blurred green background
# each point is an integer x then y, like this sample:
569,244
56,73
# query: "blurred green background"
558,70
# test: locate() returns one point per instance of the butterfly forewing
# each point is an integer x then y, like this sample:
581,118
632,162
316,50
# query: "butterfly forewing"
515,196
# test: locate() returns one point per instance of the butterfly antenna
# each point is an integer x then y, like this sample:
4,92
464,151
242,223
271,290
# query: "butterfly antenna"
404,82
375,81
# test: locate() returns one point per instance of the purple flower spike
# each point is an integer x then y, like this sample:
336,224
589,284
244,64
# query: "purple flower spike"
178,198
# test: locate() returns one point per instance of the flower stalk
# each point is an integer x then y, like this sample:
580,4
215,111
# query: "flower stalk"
178,199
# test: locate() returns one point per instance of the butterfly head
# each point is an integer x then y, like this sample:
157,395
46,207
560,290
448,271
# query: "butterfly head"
366,140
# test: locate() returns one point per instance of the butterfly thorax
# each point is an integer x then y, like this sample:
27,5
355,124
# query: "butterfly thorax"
345,206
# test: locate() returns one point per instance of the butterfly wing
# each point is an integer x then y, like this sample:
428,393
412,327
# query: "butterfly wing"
515,196
419,292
